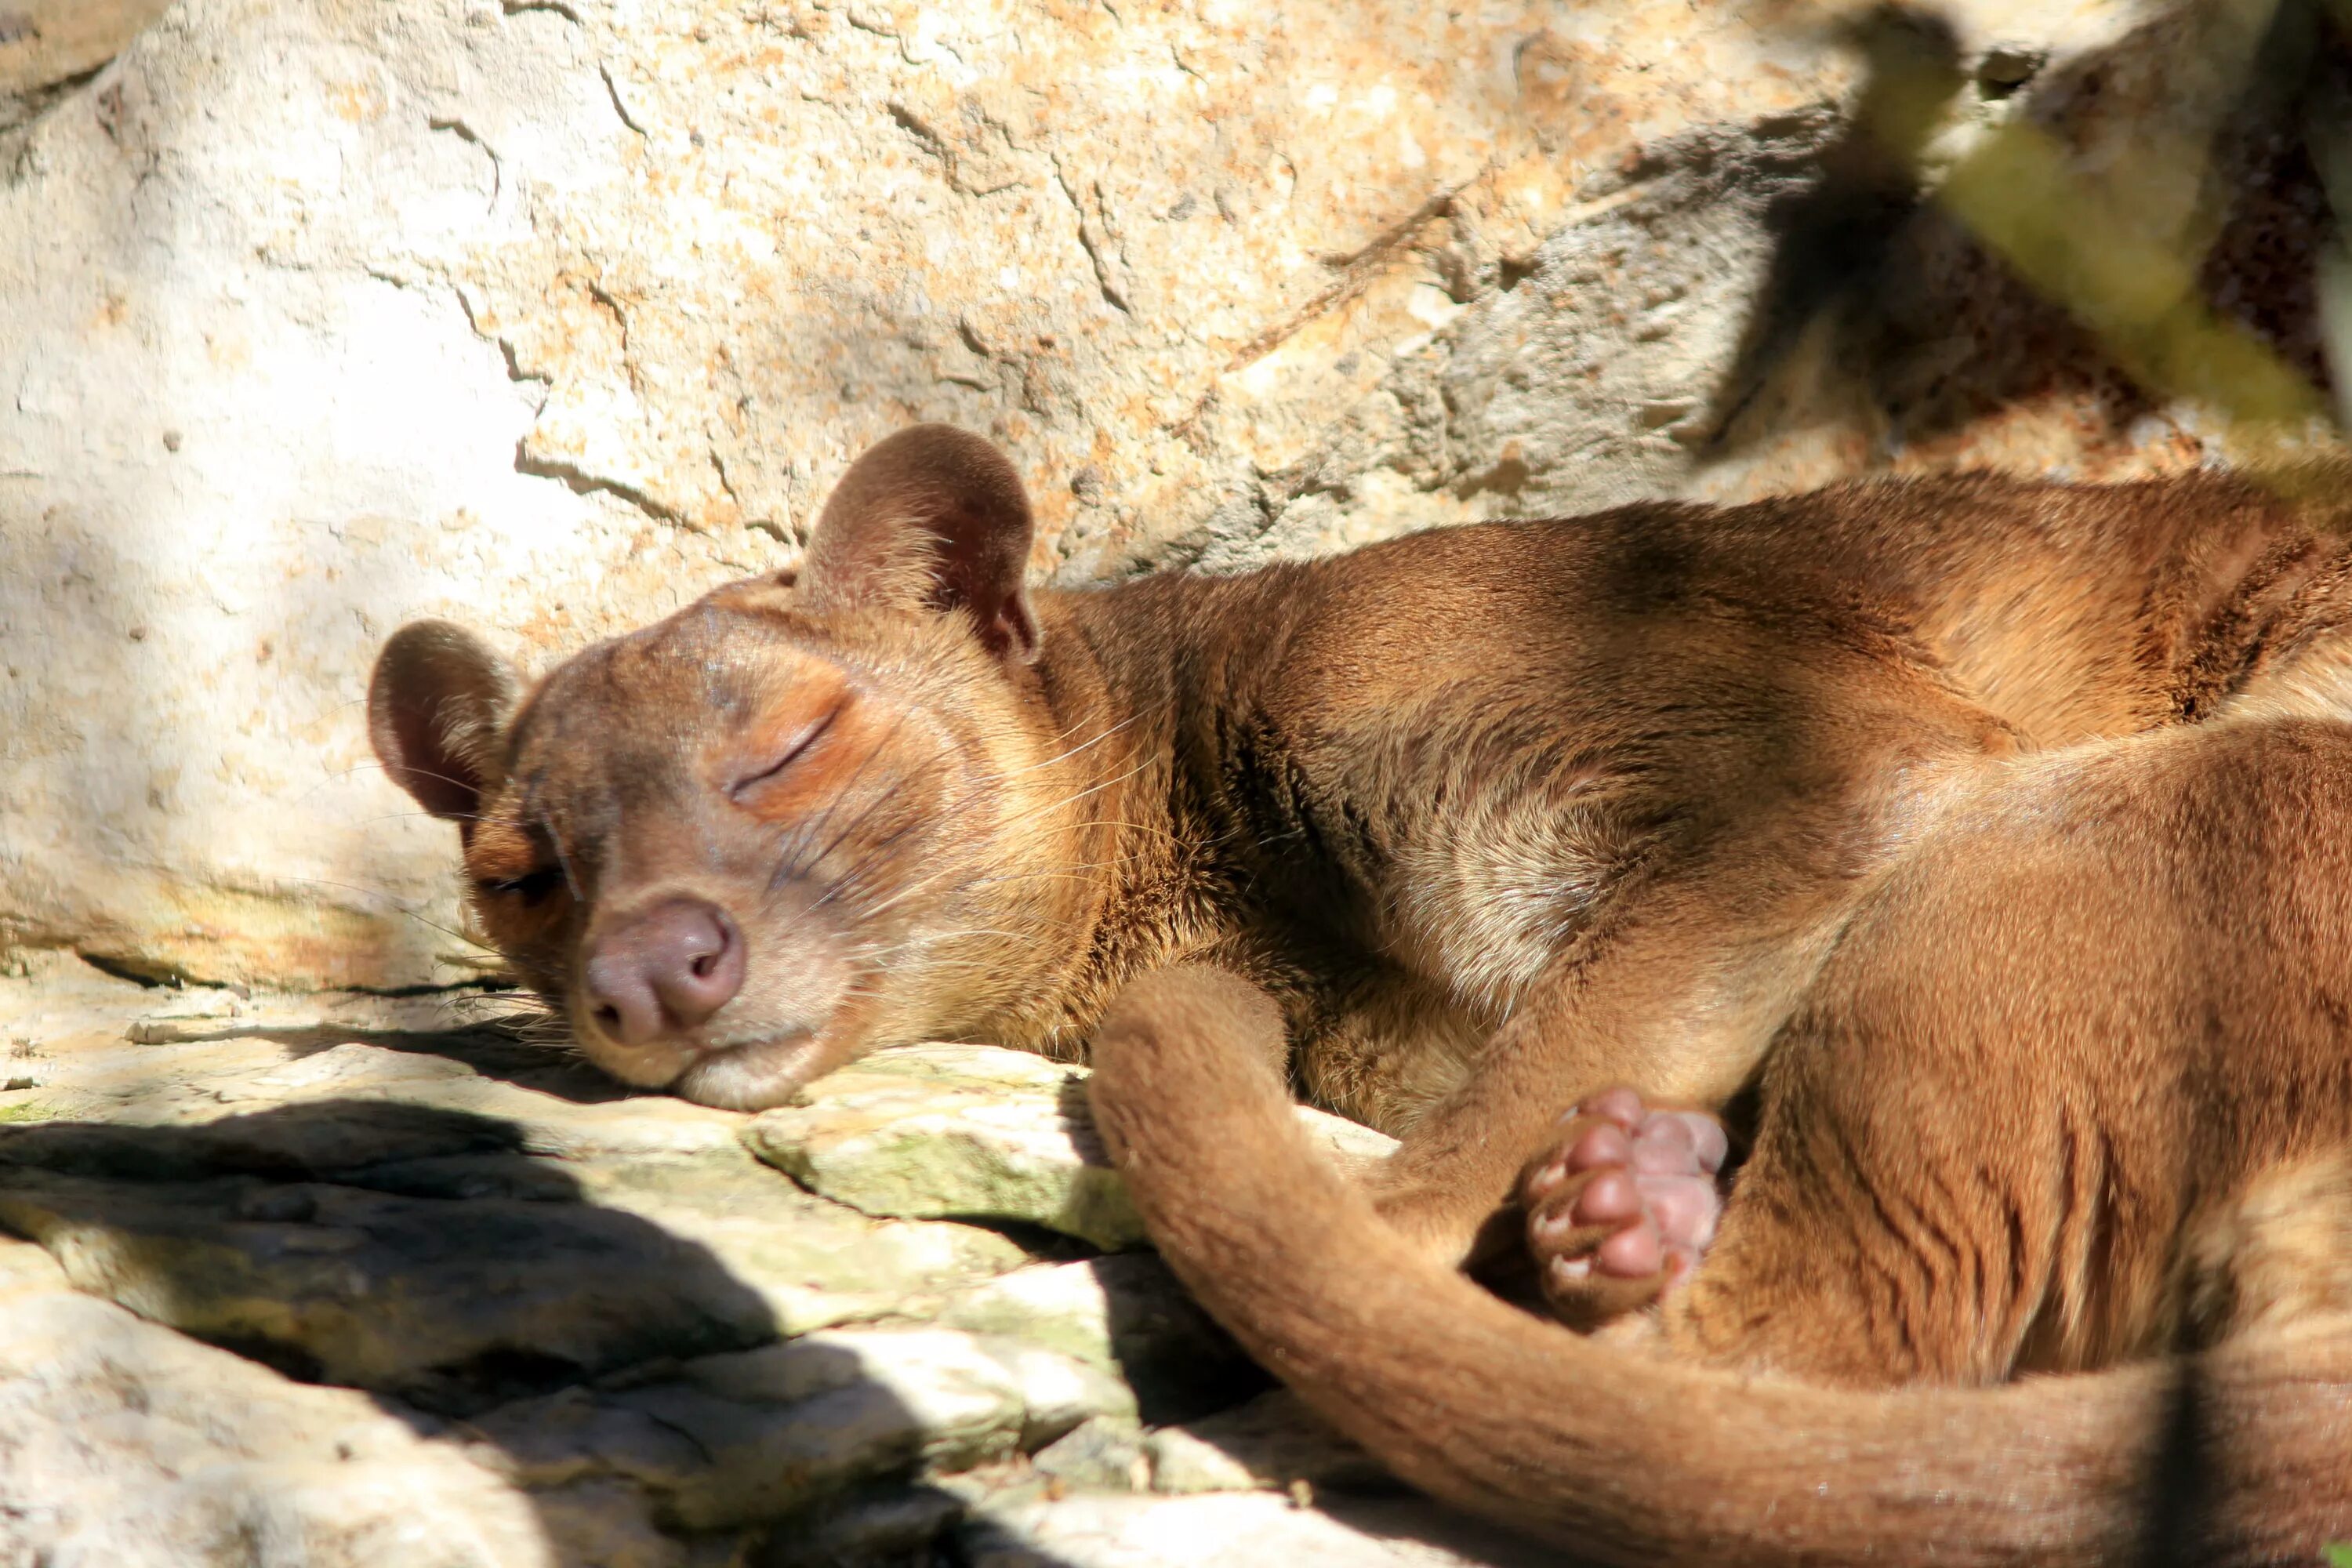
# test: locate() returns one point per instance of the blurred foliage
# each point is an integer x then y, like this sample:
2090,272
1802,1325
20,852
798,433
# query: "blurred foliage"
2121,248
2118,238
2070,238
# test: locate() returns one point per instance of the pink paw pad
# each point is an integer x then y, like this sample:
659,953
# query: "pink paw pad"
1629,1193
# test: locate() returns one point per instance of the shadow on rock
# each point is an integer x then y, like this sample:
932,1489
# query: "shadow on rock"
401,1248
620,1376
2111,225
498,1048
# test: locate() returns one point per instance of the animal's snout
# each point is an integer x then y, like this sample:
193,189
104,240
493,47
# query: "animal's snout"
665,968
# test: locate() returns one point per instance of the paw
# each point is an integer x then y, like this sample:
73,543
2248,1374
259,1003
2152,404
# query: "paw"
1622,1206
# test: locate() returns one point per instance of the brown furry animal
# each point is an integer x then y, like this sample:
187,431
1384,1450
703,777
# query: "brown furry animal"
2073,1091
1500,814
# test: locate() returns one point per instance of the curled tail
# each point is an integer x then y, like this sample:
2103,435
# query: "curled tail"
2242,1455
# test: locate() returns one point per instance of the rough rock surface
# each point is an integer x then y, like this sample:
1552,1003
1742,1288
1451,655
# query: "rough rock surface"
549,313
48,48
346,1281
124,1444
974,1132
1106,1532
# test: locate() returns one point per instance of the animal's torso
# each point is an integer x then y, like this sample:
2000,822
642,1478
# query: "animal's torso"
2073,1094
1402,781
2077,1082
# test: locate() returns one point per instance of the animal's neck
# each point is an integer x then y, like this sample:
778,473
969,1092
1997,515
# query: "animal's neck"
1143,682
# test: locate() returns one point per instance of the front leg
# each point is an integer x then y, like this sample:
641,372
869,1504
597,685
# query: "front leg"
1674,995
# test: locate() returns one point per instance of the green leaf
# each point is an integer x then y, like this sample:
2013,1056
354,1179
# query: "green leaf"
2339,1556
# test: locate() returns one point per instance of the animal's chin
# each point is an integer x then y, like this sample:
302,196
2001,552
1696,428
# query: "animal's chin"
752,1075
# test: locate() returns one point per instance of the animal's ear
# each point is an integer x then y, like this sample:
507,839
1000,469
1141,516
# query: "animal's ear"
437,710
931,517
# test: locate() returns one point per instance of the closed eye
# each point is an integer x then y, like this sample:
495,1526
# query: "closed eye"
532,887
799,743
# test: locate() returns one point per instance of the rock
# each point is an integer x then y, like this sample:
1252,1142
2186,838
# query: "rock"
2005,68
420,1297
1125,1314
1096,1530
48,48
393,1217
124,1444
1273,1442
566,1309
973,1132
1181,1464
884,1525
814,1264
1100,1454
739,1438
909,1132
548,316
606,1523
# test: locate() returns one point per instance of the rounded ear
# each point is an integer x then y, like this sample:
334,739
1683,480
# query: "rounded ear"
935,518
437,710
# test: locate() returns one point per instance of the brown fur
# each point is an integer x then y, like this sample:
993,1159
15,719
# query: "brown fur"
1499,814
2074,1090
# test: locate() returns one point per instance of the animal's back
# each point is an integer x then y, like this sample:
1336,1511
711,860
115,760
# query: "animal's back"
2057,1061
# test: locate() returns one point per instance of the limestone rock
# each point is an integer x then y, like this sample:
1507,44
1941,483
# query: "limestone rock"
1098,1530
406,1210
47,48
126,1445
584,1327
387,1292
738,1438
549,314
909,1132
1126,1314
1273,1442
975,1132
1104,1453
887,1525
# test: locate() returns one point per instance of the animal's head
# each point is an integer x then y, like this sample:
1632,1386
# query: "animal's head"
791,822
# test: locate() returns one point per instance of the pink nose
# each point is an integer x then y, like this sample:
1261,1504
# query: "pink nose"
668,967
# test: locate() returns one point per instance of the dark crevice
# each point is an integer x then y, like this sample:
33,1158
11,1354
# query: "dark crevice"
604,297
506,350
467,133
19,109
930,140
517,8
153,973
1088,242
288,1360
487,984
679,1430
583,484
613,91
491,1379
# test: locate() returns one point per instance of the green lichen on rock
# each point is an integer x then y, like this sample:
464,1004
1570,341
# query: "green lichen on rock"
1007,1139
973,1132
